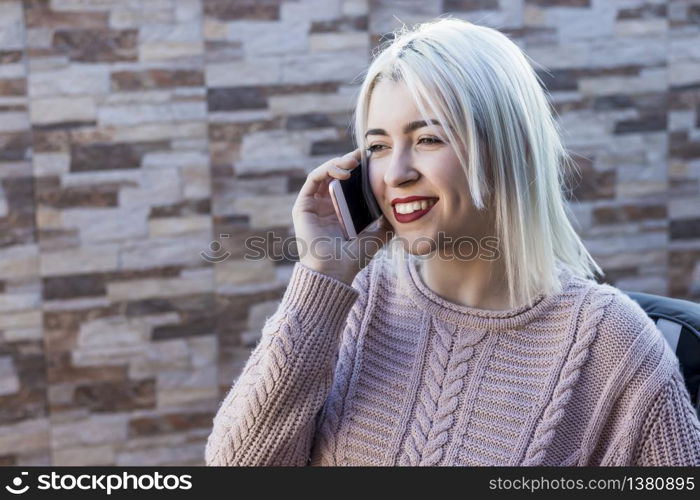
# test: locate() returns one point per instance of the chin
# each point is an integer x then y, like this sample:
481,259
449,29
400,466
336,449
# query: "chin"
419,246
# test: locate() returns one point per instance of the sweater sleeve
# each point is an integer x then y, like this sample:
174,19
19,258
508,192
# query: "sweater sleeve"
670,433
269,414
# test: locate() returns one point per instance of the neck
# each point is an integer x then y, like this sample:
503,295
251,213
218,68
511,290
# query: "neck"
474,283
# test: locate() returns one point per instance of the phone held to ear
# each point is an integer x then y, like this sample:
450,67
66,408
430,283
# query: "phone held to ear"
355,204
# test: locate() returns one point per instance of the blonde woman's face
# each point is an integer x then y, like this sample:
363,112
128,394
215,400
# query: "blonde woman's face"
411,158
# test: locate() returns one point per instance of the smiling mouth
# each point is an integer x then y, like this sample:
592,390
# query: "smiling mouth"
408,212
413,206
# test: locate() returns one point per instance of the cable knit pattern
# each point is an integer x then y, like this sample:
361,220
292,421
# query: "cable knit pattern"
669,444
386,372
417,443
291,368
446,413
325,451
577,357
253,402
330,419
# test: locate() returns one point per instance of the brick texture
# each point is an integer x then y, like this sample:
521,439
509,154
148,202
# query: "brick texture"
143,143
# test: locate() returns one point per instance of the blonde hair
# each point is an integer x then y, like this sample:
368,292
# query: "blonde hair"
481,88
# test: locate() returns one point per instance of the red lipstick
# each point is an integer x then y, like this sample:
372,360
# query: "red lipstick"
413,215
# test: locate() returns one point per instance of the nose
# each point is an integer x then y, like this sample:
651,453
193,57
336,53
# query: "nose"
400,169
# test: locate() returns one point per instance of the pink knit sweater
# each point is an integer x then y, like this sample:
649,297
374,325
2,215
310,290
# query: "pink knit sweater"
386,372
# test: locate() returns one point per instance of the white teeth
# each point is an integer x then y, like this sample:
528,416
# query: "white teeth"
407,208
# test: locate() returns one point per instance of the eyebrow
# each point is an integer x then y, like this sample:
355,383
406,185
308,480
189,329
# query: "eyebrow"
410,127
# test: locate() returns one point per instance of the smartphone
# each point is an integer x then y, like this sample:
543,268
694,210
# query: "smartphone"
354,202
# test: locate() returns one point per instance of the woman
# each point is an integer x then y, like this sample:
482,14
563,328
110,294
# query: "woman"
421,355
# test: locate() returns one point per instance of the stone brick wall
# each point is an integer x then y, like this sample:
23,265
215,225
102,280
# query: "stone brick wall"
136,135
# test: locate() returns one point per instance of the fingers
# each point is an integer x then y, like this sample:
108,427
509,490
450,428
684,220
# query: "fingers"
338,172
336,168
355,156
348,161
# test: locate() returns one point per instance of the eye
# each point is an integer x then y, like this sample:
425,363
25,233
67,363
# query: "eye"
430,140
374,147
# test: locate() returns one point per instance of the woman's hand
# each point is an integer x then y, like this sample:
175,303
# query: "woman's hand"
318,232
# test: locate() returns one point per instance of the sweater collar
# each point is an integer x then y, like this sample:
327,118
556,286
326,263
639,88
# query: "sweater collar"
462,315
